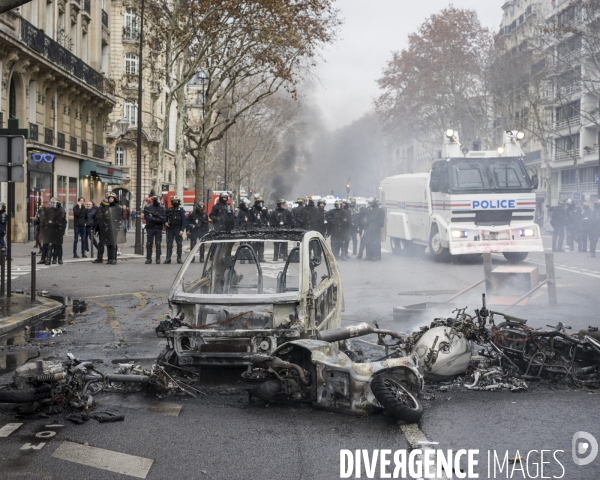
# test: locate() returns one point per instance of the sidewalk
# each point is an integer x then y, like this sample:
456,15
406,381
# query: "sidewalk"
21,252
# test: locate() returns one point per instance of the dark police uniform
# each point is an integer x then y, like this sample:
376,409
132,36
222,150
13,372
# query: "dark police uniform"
155,217
281,217
176,225
197,227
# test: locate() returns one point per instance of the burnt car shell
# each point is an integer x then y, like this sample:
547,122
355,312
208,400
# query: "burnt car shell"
236,306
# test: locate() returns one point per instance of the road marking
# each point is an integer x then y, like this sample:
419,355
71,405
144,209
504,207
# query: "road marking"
9,428
112,320
417,440
104,459
168,409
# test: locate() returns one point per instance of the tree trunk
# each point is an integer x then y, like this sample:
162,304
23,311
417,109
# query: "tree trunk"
179,144
200,162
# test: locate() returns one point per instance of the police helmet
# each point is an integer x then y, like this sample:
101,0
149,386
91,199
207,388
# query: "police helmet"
321,202
111,194
2,205
300,201
281,201
200,205
176,200
258,200
337,204
306,199
561,202
105,202
311,202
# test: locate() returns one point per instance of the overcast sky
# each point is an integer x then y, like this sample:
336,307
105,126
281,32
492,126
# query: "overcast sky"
372,30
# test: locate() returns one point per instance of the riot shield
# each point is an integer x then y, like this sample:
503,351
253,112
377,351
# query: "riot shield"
52,225
110,223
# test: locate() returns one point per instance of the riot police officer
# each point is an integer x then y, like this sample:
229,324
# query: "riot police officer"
571,223
176,225
109,227
155,217
53,223
310,216
361,221
559,216
221,214
321,218
281,217
594,228
260,215
354,226
339,228
375,220
585,226
197,227
243,217
297,212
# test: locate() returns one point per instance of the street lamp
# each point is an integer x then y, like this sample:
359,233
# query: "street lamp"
138,174
122,127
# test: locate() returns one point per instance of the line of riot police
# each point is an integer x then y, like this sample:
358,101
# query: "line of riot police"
346,222
578,223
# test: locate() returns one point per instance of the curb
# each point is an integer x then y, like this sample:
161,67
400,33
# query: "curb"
46,308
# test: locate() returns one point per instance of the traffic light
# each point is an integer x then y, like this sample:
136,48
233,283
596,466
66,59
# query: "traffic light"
348,189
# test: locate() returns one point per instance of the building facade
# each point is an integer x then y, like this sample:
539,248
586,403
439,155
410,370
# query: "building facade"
121,142
54,65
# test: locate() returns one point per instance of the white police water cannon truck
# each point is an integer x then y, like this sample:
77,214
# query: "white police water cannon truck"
471,202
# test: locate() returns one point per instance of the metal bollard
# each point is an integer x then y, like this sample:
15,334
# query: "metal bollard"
33,272
2,270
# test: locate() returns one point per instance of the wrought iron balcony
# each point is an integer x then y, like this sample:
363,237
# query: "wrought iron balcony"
33,132
98,151
104,18
59,55
48,136
84,147
73,144
60,140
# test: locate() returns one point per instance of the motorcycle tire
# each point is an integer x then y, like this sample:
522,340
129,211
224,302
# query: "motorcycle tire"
26,395
266,391
396,399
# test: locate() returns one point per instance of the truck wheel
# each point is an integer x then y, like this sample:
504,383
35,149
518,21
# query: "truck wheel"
396,399
515,257
436,249
400,246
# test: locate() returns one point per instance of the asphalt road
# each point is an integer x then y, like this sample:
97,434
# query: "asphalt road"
223,436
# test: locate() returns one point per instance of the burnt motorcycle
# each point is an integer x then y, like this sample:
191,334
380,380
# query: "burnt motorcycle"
317,372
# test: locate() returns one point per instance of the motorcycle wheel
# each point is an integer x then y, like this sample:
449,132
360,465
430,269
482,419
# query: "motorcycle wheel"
25,395
396,399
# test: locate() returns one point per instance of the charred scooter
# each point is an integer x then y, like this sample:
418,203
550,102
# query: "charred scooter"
318,373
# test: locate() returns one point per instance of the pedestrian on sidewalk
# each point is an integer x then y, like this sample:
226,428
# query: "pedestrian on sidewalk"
90,225
79,219
126,216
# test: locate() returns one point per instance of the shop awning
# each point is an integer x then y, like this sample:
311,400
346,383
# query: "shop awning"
110,180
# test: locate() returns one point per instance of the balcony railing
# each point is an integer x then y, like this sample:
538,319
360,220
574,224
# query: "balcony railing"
568,155
567,90
87,6
583,187
60,140
48,136
84,147
73,144
33,132
98,151
569,122
104,18
131,33
56,53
